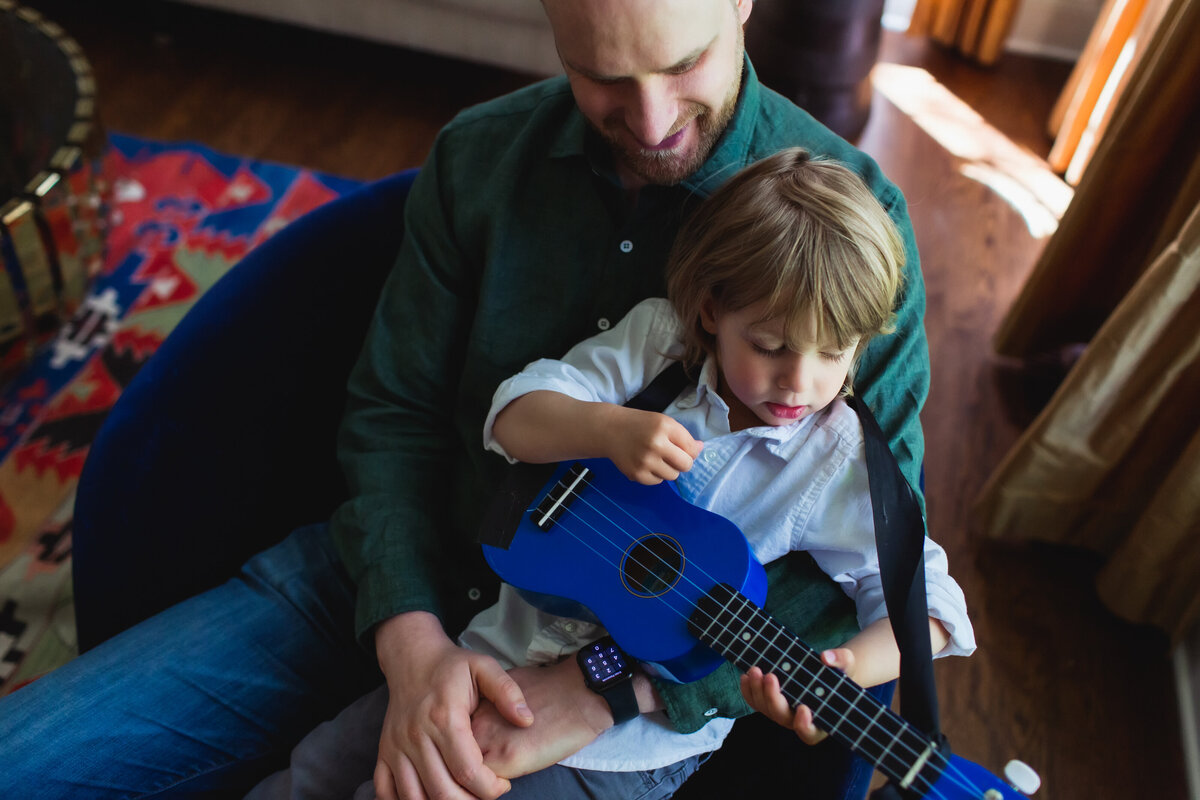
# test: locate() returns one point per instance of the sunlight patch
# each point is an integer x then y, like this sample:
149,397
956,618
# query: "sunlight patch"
1022,179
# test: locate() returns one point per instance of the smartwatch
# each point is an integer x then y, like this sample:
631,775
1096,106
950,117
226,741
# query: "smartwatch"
608,673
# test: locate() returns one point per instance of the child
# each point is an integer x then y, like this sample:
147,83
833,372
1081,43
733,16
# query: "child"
775,286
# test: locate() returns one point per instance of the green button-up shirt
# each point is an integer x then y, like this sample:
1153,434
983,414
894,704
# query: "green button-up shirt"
519,243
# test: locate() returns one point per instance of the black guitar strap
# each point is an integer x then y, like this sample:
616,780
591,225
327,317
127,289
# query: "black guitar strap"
900,542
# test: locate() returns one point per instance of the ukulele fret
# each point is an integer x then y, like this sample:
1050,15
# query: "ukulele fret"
747,636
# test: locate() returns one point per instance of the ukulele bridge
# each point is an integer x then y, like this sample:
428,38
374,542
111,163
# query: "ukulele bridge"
559,499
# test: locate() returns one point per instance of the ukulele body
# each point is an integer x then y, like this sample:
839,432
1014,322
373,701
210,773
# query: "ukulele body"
637,557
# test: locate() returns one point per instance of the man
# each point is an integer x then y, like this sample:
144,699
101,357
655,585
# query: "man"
563,230
538,219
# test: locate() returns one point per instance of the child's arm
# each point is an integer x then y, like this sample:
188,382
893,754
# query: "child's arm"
869,658
545,426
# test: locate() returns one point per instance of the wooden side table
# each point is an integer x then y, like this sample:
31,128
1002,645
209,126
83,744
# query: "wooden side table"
52,195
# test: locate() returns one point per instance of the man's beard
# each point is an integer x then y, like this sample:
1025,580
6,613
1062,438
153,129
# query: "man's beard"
668,167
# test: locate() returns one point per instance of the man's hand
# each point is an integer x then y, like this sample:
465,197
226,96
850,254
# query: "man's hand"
427,748
568,716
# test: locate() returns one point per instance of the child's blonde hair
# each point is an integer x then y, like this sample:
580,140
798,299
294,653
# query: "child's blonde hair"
807,236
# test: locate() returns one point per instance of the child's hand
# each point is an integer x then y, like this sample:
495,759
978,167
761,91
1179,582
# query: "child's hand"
763,695
649,447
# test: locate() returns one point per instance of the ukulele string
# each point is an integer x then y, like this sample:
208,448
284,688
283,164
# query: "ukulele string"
817,678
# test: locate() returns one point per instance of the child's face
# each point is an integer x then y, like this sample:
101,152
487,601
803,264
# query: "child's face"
762,380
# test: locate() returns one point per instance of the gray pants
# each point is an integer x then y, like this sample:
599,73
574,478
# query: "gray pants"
336,761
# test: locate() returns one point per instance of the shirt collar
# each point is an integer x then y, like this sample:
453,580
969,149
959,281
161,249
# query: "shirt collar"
571,138
731,151
782,440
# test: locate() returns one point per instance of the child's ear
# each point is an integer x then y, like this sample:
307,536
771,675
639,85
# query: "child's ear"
708,315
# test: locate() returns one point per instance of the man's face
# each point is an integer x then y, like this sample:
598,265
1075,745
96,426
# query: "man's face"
658,79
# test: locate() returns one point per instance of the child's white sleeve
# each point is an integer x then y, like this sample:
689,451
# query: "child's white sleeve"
842,541
943,594
610,367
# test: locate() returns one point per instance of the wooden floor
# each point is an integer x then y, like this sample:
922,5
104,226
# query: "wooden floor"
1083,697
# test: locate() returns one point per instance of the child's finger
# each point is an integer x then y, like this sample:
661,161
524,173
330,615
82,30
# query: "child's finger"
840,658
763,695
805,726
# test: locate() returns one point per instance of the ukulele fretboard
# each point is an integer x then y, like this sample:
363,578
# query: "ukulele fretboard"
746,635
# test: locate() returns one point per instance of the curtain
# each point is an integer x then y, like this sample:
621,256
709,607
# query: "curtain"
975,28
1112,463
1131,200
1084,109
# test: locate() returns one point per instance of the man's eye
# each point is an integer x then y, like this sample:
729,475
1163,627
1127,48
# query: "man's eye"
685,67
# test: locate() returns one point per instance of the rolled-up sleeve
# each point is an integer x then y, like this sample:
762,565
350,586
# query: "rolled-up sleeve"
844,547
610,367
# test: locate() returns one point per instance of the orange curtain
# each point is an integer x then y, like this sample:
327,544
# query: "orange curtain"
1114,48
1112,464
975,28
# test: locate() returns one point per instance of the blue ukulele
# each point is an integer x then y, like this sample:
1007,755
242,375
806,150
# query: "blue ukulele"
680,590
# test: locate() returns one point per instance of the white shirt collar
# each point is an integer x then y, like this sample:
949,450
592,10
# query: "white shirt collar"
782,440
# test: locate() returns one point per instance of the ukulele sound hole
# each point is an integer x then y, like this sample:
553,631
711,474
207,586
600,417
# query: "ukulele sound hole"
652,565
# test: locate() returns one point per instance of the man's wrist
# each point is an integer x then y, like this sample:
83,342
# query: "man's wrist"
648,698
409,631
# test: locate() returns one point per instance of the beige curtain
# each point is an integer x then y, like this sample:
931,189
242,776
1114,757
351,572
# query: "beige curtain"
975,28
1113,462
1139,187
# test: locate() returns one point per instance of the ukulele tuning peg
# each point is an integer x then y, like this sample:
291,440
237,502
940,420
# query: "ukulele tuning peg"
1022,777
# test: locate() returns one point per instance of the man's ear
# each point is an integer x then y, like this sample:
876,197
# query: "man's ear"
708,315
744,7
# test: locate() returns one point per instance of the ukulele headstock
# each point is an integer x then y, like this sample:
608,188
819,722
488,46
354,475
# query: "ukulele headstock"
965,780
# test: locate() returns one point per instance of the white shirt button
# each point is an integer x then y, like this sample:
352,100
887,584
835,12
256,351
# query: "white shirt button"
712,712
626,246
603,323
569,627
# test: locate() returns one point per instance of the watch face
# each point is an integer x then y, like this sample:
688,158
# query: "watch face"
603,664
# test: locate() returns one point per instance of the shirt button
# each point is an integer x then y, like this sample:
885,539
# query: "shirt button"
569,627
474,594
712,712
603,323
626,246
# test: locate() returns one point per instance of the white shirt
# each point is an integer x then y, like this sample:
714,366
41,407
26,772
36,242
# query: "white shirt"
801,486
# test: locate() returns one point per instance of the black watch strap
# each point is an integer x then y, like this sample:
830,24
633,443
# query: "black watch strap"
622,700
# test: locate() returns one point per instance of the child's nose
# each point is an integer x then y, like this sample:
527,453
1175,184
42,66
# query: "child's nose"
794,374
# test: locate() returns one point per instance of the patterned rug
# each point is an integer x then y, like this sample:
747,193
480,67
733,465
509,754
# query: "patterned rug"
181,216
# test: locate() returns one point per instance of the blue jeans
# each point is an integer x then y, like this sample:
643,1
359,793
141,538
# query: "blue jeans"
201,700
